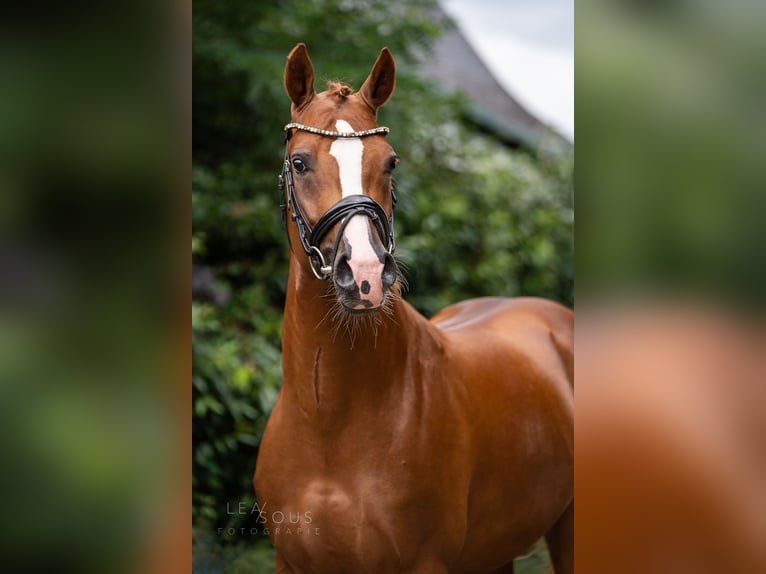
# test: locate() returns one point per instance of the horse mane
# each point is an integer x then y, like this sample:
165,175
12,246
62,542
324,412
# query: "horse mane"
339,89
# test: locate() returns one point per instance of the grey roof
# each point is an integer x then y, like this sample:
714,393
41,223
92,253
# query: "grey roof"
456,66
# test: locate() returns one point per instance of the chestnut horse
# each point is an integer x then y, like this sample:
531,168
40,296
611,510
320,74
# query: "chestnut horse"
399,444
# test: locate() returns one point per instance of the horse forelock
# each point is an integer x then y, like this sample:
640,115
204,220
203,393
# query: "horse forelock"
339,89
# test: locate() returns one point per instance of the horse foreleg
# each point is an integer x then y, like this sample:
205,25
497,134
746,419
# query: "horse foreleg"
560,539
281,567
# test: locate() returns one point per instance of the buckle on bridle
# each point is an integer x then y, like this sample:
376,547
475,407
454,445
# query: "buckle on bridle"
324,270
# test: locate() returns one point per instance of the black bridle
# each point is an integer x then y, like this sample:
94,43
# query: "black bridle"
343,210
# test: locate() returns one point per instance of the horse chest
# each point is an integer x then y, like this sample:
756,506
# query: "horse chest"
352,525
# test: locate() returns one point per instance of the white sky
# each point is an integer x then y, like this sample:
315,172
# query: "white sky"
529,46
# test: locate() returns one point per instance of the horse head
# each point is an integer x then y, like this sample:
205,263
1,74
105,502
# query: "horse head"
338,172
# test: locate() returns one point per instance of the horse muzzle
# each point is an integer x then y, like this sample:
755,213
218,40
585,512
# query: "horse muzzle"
363,269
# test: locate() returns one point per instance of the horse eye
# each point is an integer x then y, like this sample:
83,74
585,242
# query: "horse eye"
392,164
299,166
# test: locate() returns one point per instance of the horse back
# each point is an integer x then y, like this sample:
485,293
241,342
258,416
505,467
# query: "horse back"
527,325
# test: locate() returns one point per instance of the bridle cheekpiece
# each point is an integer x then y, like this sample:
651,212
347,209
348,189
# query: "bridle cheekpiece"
343,210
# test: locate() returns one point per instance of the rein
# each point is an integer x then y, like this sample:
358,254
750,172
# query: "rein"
343,210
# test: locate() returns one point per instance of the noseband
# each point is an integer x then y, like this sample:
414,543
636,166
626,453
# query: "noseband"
344,209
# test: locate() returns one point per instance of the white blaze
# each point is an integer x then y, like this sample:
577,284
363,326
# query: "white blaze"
348,153
364,262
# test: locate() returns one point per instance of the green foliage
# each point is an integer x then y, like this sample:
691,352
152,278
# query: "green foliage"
474,217
236,375
239,558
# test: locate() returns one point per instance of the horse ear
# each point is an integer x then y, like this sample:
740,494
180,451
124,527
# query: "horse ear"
299,76
379,85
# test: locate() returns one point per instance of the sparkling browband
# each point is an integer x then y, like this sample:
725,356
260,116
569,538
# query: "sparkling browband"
332,134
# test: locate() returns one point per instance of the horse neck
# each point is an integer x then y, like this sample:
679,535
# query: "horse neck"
328,366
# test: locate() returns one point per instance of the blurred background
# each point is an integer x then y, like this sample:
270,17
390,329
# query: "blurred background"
92,283
670,473
671,177
485,189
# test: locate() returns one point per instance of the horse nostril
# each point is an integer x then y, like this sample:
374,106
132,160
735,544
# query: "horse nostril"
344,276
389,272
